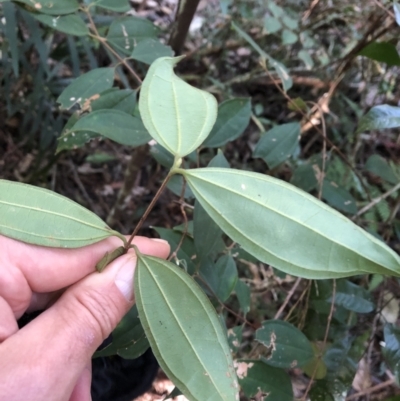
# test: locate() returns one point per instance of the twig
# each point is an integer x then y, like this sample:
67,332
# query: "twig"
78,182
323,103
182,207
104,42
242,318
370,390
287,299
149,209
325,339
132,170
377,200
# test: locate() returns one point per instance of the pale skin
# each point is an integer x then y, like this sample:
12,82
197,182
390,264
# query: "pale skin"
49,359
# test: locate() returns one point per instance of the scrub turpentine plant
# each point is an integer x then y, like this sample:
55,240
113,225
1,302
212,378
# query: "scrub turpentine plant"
237,215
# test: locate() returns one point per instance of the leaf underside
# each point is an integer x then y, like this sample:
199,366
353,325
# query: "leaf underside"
184,117
42,217
184,331
288,228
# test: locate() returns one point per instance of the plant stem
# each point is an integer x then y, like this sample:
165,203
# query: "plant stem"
138,157
377,200
149,209
103,41
184,16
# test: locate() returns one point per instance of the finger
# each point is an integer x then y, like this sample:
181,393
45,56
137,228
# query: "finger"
81,391
67,334
50,269
8,324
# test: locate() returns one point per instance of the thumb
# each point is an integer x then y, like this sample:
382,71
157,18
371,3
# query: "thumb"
60,341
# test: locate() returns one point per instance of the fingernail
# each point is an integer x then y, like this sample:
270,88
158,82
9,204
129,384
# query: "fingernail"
162,241
124,277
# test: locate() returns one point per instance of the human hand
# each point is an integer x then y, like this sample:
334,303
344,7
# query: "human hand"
50,358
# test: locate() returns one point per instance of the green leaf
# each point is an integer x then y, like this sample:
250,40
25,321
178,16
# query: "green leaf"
70,140
221,277
149,49
185,252
233,118
71,24
304,177
280,69
288,37
184,331
161,155
10,31
316,368
125,32
244,296
352,297
235,338
114,5
115,125
287,346
87,86
74,140
128,336
380,117
42,217
379,166
338,197
184,118
100,158
117,99
286,227
306,58
391,349
175,184
278,144
255,376
219,161
271,24
52,7
206,232
383,52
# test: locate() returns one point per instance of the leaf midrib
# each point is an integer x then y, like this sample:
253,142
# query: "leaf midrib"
178,322
54,214
285,216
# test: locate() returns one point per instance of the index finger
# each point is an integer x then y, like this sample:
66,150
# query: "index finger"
50,269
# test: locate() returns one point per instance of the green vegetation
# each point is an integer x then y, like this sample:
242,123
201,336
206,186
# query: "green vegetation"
268,157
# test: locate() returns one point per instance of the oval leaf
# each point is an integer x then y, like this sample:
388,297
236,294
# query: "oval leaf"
126,32
256,376
287,346
338,197
42,217
184,117
233,118
184,331
149,50
114,5
286,227
113,124
52,7
278,144
380,117
379,166
71,24
87,86
384,52
352,297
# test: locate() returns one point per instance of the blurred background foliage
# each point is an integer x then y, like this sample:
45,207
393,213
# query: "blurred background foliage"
298,84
